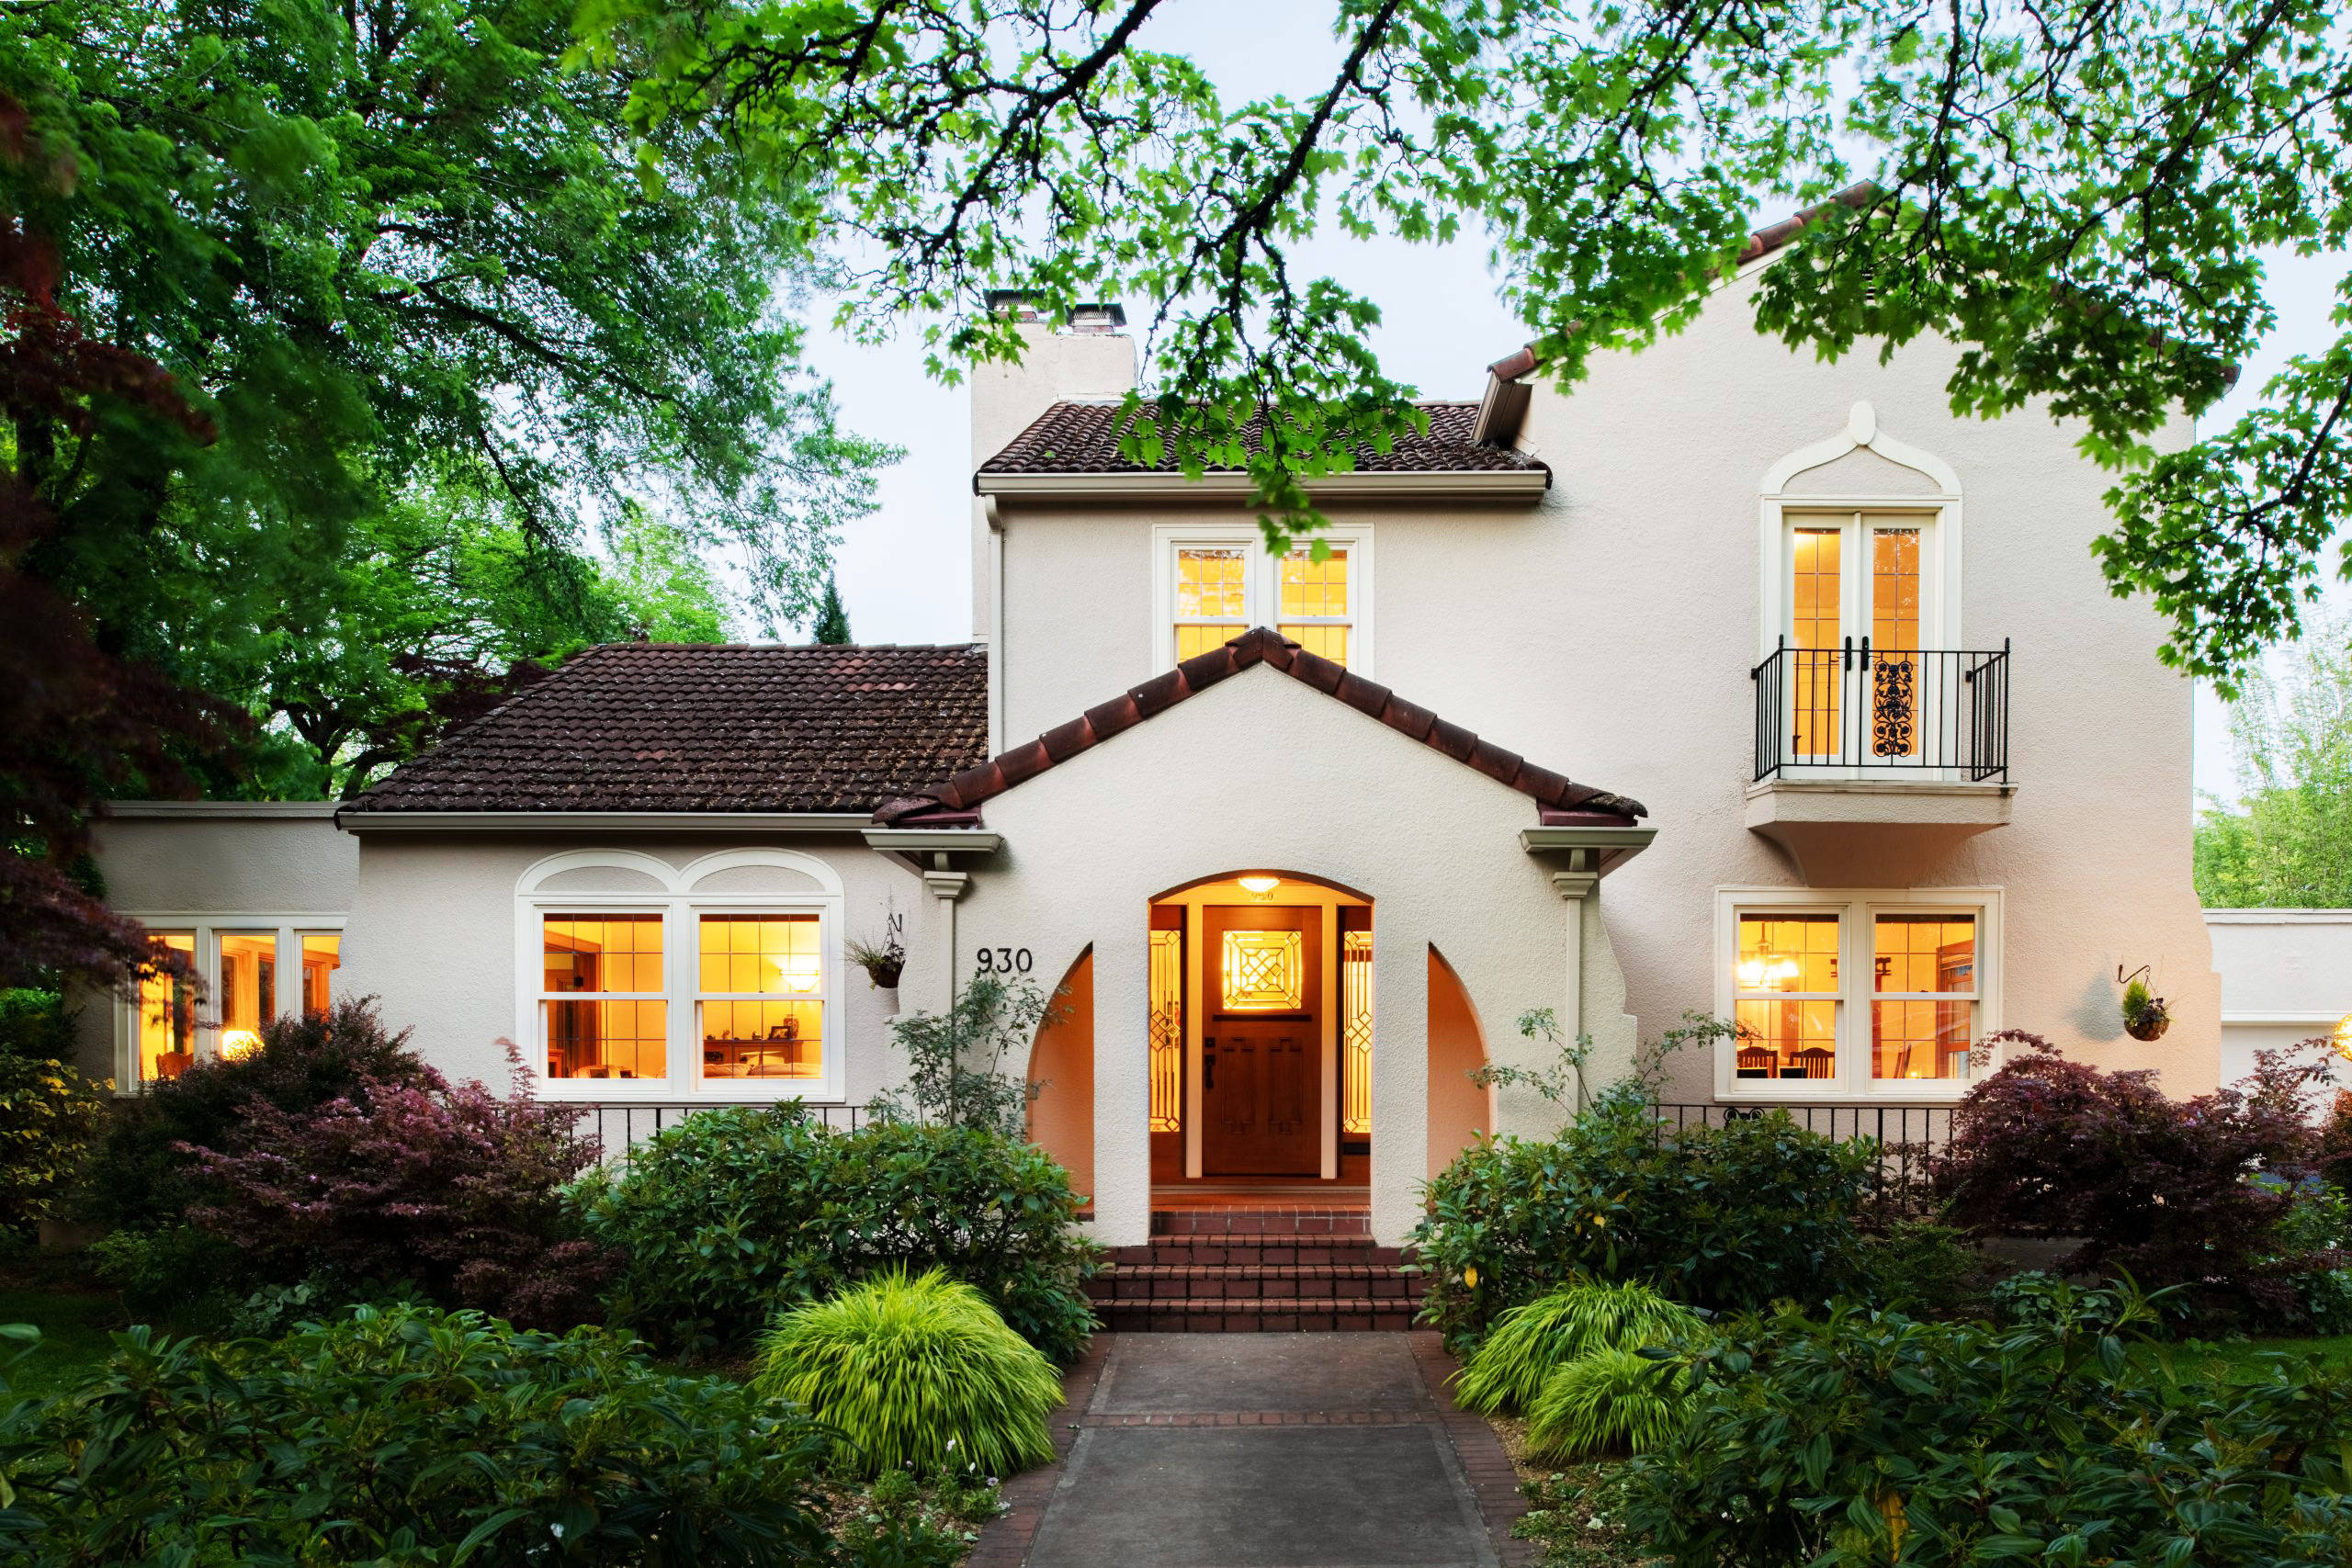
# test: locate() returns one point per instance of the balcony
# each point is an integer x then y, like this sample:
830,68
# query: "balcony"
1856,737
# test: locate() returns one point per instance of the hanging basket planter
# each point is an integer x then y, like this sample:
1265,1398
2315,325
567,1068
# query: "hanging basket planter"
2145,1016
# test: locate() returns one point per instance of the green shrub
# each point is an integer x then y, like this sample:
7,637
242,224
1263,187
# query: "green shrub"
915,1372
734,1211
1605,1402
1720,1217
409,1436
1512,1365
177,1273
50,1116
35,1023
1849,1439
1921,1266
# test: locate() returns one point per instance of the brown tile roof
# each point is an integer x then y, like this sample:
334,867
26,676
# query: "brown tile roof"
956,802
670,727
1083,438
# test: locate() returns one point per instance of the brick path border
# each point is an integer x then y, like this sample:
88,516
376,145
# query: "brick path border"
1005,1540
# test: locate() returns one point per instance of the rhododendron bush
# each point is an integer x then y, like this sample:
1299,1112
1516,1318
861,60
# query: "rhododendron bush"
2188,1192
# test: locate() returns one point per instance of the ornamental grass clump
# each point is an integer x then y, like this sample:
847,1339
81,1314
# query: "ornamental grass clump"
914,1371
1605,1402
1511,1369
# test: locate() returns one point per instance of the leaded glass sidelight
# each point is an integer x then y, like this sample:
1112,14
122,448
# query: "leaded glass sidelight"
1355,1030
1166,1031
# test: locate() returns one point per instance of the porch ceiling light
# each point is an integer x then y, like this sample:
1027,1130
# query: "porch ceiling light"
1261,885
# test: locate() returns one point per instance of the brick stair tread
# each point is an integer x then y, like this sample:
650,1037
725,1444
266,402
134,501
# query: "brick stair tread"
1258,1271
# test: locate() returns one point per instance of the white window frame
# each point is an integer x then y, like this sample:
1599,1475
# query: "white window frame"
1856,908
1262,582
209,927
681,906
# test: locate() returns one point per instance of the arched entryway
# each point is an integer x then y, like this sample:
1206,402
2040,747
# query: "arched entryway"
1260,1039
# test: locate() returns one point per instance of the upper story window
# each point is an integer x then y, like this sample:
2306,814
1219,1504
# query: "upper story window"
1214,584
649,981
1844,994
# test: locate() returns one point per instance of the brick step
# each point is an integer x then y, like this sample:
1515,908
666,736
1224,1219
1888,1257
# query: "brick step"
1272,1219
1258,1316
1243,1248
1343,1281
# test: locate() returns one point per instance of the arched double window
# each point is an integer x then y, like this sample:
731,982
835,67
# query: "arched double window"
720,979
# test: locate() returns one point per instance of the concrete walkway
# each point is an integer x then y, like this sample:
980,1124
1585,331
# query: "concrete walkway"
1263,1451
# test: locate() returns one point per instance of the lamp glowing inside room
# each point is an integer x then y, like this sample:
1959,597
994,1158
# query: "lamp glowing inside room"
2342,1038
1259,886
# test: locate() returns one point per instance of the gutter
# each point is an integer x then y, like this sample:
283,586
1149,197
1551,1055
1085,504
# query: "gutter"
1482,484
844,822
218,810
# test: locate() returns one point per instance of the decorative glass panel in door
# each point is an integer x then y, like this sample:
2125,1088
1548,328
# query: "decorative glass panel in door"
1895,659
1817,611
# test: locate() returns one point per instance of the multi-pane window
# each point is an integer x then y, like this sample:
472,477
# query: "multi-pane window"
1314,603
1212,589
761,992
602,1002
1789,995
242,972
1212,597
1923,1002
1857,992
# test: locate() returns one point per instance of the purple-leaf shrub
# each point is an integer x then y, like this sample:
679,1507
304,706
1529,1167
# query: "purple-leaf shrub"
454,1188
2161,1188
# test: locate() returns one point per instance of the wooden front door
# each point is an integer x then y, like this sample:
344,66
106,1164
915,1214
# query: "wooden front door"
1261,1040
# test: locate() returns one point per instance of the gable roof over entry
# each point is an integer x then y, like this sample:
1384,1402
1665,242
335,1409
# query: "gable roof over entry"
671,728
956,802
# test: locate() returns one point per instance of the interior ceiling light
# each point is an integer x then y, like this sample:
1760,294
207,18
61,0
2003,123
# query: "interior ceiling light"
1261,885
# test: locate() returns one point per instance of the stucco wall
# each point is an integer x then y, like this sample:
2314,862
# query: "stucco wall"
1459,1109
1608,633
432,936
1260,772
1061,1119
2286,976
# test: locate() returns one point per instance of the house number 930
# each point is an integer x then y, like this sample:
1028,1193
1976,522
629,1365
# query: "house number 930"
1004,961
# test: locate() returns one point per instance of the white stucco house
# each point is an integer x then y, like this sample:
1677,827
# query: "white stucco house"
1730,681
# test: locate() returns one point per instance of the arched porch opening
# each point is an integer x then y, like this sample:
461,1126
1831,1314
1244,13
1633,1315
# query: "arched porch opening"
1260,1007
1460,1110
1061,1118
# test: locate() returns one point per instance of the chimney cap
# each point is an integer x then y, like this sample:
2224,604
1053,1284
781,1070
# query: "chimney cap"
1017,303
1097,317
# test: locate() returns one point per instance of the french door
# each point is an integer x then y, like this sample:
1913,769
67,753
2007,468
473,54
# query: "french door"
1861,599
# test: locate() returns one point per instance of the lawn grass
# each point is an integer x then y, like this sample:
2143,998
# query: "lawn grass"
2245,1360
74,1326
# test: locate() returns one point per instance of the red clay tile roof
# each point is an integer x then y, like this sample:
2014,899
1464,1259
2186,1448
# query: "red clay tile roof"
669,727
1083,438
956,802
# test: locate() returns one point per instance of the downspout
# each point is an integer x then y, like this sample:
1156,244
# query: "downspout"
996,625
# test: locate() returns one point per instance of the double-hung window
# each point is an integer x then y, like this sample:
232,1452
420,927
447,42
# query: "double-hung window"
650,981
1846,993
1215,583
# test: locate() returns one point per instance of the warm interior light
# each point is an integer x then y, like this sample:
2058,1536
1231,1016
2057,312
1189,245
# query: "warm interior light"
235,1043
2343,1037
1262,886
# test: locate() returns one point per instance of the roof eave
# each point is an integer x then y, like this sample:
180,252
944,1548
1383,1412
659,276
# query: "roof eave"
380,821
1476,484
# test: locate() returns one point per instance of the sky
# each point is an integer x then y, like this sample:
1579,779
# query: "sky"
905,572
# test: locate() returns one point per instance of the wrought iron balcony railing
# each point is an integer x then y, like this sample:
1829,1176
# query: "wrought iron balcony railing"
1856,711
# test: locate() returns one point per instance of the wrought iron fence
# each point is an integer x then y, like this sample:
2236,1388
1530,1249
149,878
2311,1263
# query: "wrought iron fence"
1925,1127
1898,709
620,1126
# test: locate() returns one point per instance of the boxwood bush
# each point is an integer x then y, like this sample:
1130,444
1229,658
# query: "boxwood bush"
737,1210
1718,1217
1864,1438
409,1436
